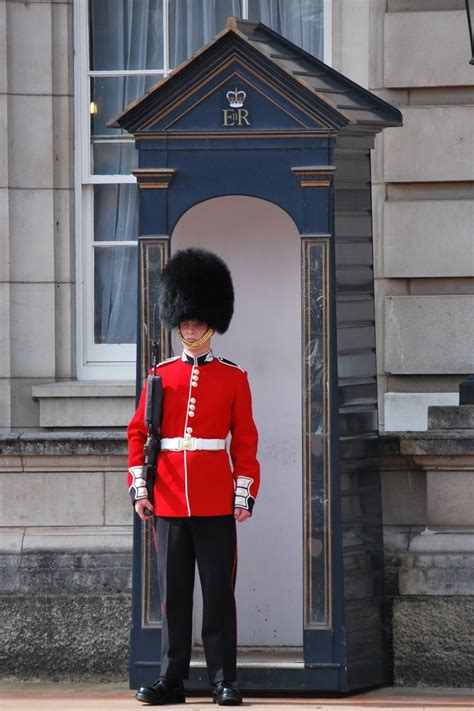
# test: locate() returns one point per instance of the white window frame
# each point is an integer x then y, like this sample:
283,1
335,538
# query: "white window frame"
109,361
96,361
327,31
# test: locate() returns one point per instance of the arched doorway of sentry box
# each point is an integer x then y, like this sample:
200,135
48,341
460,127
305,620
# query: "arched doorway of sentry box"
261,245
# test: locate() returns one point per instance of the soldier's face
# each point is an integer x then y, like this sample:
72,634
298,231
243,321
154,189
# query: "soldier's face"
192,330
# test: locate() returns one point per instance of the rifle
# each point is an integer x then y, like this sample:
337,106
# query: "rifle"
153,408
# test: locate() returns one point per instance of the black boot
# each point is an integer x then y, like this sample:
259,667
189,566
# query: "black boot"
224,693
163,691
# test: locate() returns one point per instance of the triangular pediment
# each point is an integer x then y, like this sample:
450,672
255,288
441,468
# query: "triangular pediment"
235,96
278,87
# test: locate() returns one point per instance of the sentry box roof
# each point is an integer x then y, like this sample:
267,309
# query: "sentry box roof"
308,94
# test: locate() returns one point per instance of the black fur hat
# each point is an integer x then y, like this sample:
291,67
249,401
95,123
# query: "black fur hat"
196,284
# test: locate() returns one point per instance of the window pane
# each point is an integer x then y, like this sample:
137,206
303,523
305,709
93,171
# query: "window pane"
153,257
193,23
113,158
110,95
316,435
115,212
115,294
126,34
300,21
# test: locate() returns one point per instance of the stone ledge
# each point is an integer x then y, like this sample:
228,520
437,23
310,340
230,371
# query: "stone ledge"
66,573
66,538
438,564
440,443
452,418
84,388
447,445
430,541
49,2
85,403
438,574
63,443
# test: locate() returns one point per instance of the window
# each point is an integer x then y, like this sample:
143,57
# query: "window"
122,48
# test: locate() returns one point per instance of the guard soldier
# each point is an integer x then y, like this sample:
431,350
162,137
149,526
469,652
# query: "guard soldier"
198,495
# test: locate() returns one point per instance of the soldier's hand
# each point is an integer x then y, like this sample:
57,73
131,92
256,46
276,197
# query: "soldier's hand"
143,505
241,515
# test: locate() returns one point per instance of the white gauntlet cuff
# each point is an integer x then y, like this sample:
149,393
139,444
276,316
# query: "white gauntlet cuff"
137,488
242,496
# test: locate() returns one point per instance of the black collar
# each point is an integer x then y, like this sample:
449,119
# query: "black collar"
203,359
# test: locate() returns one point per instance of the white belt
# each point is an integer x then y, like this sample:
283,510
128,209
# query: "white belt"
191,444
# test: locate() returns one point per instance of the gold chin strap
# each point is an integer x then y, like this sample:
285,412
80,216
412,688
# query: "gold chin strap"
196,344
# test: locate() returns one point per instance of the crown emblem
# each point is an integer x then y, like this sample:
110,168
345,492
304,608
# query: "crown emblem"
236,98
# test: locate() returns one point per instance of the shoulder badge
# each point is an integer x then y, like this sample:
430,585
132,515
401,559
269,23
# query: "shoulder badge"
229,362
168,360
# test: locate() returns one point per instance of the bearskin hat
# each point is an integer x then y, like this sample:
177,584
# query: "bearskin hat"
196,284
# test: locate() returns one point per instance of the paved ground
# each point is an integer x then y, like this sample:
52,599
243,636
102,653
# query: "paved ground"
17,696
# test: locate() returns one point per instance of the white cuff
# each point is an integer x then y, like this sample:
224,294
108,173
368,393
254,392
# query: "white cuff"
243,498
137,488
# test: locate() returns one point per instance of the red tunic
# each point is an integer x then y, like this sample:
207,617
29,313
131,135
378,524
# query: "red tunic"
202,482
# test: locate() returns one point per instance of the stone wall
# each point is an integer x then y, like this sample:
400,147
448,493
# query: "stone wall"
37,341
433,622
65,557
415,54
66,615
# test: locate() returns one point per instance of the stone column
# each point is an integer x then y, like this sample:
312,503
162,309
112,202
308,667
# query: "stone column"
5,362
433,623
36,191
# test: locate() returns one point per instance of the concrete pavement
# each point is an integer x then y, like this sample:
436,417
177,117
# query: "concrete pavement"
30,696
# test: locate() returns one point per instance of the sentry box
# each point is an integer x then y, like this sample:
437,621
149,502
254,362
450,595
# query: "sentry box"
260,152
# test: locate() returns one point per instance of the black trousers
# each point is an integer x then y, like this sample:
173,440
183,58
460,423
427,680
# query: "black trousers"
212,542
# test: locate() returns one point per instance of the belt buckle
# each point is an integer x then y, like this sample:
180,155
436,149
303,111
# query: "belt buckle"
188,445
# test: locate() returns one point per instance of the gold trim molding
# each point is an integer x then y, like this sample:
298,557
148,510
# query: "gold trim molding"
314,176
154,177
205,135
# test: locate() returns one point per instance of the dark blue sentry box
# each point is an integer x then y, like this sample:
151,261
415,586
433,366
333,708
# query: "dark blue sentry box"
252,114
